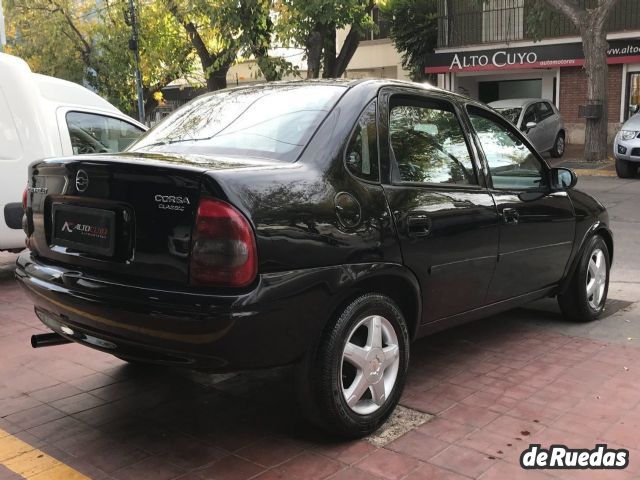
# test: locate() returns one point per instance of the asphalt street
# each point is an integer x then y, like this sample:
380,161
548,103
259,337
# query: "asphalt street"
621,322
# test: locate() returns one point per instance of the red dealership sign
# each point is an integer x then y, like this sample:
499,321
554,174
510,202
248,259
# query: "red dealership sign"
535,56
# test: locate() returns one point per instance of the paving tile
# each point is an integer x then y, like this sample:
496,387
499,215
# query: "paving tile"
387,464
495,444
307,466
347,452
77,403
354,474
6,474
509,426
154,468
428,402
504,471
55,392
231,468
464,461
470,415
112,456
35,416
428,471
271,451
17,404
189,453
418,445
446,430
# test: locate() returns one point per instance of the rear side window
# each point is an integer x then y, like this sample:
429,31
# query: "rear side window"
10,146
544,110
95,133
428,144
362,151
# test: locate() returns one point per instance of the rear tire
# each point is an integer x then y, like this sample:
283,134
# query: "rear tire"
351,383
626,169
559,146
585,298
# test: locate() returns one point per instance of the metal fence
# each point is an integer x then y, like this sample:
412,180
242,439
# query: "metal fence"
467,22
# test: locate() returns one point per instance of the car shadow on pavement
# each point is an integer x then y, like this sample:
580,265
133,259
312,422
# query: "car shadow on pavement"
109,419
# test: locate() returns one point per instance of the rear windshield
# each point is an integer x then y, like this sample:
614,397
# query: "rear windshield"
273,122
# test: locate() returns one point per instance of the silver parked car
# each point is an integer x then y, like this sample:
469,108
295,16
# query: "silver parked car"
626,148
539,119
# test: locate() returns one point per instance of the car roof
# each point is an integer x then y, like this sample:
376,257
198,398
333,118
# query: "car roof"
373,83
516,102
68,93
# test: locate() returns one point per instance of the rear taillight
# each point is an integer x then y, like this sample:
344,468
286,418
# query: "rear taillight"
223,248
24,200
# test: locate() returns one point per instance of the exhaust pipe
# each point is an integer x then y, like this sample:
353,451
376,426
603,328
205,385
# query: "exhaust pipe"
48,340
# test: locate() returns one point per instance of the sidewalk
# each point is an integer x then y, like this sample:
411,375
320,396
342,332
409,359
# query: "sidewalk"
574,158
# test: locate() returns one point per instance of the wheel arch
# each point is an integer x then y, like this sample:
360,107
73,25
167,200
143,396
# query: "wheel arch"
600,229
396,282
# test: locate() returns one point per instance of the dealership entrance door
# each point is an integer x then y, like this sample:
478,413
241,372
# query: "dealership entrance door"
491,86
507,89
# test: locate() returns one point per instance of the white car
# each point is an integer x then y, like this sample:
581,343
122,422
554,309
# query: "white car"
540,121
626,148
43,117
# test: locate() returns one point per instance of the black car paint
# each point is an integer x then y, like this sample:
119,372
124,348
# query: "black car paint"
311,261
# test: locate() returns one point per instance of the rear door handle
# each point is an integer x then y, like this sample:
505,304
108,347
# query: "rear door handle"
510,216
418,225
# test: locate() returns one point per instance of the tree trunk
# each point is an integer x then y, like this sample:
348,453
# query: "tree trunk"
314,54
217,79
594,41
329,51
347,51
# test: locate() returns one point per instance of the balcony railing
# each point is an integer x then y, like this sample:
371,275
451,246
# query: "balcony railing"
468,22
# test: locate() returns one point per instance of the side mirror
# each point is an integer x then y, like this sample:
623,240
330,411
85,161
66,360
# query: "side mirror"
530,125
563,178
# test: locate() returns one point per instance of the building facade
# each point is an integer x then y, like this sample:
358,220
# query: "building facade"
376,55
487,51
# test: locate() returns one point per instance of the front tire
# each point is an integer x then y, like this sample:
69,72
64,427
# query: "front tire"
584,299
559,146
353,380
626,169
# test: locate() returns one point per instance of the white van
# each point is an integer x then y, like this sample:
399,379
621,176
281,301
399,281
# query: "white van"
43,117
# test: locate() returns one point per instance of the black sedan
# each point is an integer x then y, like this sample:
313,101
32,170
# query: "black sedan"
324,224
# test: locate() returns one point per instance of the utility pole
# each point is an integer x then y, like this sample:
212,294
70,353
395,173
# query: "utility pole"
3,35
133,46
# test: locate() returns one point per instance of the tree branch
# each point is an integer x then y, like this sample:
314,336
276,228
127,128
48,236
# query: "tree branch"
572,11
350,45
86,47
194,36
605,7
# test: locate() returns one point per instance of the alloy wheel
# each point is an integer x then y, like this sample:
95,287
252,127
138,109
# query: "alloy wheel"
370,362
596,279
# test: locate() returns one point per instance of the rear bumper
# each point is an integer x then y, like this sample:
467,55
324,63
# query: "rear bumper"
273,324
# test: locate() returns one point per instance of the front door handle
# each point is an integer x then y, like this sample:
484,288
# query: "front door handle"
418,225
510,216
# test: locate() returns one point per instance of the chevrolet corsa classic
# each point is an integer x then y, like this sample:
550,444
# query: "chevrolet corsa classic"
325,224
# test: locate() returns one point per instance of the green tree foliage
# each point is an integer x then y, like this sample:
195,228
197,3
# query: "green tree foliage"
54,37
312,24
414,29
224,30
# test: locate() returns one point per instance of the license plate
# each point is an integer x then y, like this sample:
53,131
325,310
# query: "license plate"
90,230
